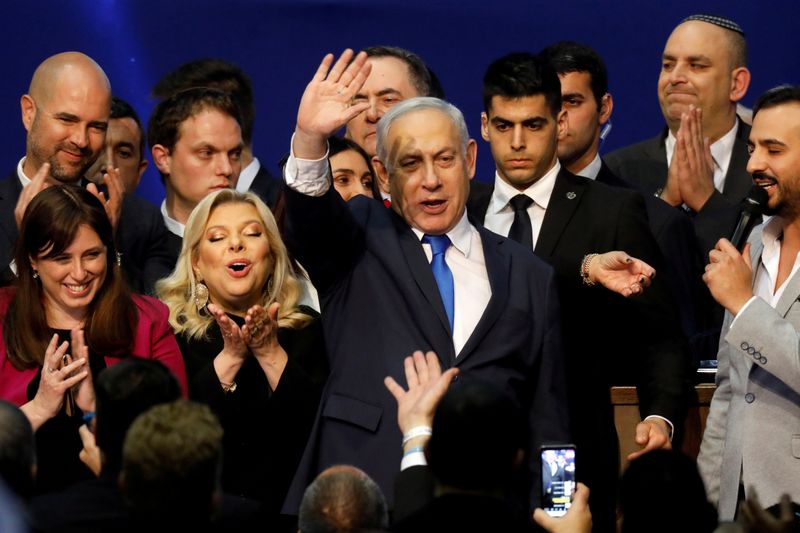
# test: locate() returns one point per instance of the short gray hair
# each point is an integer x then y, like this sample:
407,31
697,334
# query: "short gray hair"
420,103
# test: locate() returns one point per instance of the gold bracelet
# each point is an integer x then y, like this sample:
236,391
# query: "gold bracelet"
584,271
228,387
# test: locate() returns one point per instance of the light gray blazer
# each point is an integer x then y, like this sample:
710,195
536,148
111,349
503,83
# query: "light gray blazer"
752,433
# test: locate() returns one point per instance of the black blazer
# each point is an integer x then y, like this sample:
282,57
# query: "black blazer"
141,237
266,186
265,430
683,269
380,303
609,340
645,166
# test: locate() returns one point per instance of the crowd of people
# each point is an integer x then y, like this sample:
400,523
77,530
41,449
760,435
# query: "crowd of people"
377,341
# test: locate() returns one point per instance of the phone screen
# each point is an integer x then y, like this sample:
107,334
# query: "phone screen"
558,478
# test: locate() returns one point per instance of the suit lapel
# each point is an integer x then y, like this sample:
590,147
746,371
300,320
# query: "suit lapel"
424,282
498,269
564,201
10,190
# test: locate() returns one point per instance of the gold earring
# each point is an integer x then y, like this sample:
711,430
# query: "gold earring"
200,295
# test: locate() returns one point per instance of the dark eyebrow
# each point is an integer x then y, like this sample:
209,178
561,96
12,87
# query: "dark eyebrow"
771,141
571,95
382,92
347,170
699,57
66,116
534,121
124,144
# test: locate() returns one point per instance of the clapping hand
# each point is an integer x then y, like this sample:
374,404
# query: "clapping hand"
234,344
690,179
37,185
116,193
56,379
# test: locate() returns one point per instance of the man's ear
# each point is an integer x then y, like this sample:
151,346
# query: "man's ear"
485,126
740,81
471,157
28,108
562,124
606,108
161,158
382,173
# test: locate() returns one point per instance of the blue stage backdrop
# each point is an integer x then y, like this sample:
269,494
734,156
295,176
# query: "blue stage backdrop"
280,42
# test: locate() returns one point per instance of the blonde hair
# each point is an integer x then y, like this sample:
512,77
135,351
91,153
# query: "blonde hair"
179,288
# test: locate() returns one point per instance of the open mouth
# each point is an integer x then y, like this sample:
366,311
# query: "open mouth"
765,182
77,290
239,267
433,206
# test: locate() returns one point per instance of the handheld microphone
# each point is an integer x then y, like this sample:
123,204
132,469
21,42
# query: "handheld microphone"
752,208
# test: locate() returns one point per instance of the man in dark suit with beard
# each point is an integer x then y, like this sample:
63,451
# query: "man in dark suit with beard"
66,115
567,220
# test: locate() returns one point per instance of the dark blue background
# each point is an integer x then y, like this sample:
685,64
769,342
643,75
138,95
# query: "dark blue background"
280,42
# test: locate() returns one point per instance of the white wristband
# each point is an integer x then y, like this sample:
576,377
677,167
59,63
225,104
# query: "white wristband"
419,431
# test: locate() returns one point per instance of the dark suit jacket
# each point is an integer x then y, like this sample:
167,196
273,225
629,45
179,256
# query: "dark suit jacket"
609,340
380,303
266,186
141,238
683,269
645,166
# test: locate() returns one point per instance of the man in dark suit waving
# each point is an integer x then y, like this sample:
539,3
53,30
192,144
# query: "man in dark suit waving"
481,302
566,220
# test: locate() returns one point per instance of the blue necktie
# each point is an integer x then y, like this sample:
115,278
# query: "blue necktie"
441,272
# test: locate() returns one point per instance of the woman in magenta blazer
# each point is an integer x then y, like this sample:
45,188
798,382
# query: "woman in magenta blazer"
69,316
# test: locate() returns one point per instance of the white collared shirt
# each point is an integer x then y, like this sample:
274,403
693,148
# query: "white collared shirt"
721,152
767,273
470,280
23,179
172,225
465,257
500,215
591,170
248,175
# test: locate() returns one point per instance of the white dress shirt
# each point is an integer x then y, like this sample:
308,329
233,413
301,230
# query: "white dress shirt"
464,257
248,175
720,151
591,170
766,274
500,215
172,225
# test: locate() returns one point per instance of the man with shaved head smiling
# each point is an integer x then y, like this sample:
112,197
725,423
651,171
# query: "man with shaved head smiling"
66,113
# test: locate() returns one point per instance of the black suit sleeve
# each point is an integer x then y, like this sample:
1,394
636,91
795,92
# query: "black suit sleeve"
663,373
322,233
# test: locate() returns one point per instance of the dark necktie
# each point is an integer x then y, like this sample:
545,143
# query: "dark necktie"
441,272
521,228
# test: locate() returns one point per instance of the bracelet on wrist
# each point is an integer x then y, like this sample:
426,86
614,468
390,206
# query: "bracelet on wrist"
418,431
415,449
584,271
